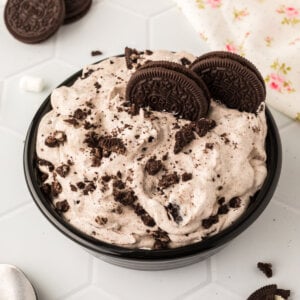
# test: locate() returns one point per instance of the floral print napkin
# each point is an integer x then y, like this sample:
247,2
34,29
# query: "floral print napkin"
267,32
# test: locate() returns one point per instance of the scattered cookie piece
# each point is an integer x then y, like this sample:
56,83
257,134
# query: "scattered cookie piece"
96,53
32,84
266,268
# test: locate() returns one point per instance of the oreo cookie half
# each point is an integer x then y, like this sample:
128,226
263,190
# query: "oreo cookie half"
76,9
33,21
231,79
269,292
168,88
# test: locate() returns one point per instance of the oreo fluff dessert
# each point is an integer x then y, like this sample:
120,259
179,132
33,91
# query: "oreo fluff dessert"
155,149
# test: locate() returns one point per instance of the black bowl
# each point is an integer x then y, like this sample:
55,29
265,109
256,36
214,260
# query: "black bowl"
152,259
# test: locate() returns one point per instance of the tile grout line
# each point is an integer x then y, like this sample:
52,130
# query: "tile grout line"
15,210
286,206
154,15
126,9
11,131
286,126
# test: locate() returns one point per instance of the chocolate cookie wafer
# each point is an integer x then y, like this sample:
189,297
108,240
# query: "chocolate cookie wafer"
33,21
181,69
232,80
76,9
269,292
166,89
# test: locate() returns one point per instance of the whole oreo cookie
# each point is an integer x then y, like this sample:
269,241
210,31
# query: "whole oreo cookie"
76,9
181,69
231,79
33,21
166,87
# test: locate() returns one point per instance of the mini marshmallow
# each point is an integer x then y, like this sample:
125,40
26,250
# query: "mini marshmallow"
32,84
14,285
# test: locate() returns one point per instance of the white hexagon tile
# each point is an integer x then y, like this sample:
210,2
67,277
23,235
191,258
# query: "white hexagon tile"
61,270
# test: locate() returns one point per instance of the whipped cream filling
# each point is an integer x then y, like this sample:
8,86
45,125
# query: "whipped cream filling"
227,166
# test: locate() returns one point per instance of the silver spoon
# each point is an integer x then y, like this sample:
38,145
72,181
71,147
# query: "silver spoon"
14,285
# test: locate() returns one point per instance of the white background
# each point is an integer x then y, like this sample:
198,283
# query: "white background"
59,268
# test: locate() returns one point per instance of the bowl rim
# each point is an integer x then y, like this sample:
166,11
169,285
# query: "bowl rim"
262,198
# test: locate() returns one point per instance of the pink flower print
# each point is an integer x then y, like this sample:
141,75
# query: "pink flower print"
276,82
231,48
290,15
214,3
238,15
291,12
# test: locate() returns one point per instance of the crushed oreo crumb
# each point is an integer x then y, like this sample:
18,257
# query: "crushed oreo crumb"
79,114
87,74
89,188
72,121
183,137
73,188
223,209
124,197
168,180
266,268
106,178
119,184
185,62
153,166
112,144
186,176
80,185
148,52
145,217
62,206
43,162
101,220
209,146
174,210
131,57
203,126
207,223
97,85
235,202
165,156
225,138
56,188
161,239
63,170
150,139
56,139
